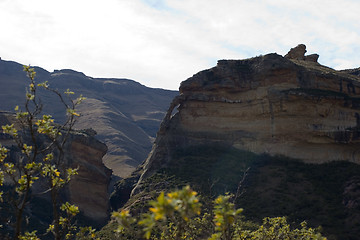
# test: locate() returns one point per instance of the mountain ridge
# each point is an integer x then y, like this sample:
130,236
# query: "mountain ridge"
124,113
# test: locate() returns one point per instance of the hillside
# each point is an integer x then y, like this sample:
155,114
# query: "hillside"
125,114
281,132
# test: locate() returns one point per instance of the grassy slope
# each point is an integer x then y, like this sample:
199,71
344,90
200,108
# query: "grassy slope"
125,114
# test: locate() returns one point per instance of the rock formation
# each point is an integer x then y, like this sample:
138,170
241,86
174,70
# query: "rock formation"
89,189
290,106
297,53
281,132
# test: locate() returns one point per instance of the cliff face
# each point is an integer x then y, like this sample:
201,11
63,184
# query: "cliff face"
290,106
280,133
89,189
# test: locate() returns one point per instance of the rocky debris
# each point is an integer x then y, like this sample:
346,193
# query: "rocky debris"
298,53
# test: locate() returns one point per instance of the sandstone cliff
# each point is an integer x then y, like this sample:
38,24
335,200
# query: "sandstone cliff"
290,106
89,189
280,133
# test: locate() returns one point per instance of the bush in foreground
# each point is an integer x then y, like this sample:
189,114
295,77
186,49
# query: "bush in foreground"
177,215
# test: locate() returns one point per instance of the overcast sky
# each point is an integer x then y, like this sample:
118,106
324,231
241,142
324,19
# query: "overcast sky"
160,43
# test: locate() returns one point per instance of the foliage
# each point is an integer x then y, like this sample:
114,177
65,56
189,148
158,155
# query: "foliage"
225,216
38,157
277,228
177,215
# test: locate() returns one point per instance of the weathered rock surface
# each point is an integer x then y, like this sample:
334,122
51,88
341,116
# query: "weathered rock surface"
89,189
269,104
297,53
281,132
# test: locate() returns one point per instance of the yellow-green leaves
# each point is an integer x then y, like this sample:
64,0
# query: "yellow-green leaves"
29,236
30,96
161,207
44,85
183,202
9,168
123,219
71,172
30,72
53,174
174,216
70,209
27,180
179,205
68,92
48,157
26,149
46,126
19,113
71,111
10,129
3,153
57,179
225,216
278,228
80,99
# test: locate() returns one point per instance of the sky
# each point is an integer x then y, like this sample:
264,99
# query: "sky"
160,43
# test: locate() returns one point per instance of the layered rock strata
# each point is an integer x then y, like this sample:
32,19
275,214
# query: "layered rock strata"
290,106
89,189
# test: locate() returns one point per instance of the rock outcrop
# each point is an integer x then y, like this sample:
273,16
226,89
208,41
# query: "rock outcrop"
89,189
290,106
298,53
281,132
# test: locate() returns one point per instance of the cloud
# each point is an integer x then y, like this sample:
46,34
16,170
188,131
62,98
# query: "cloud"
162,42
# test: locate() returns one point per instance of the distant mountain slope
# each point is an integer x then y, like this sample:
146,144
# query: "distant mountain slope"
125,114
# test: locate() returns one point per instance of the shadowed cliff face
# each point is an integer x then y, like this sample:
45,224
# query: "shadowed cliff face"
89,189
269,104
